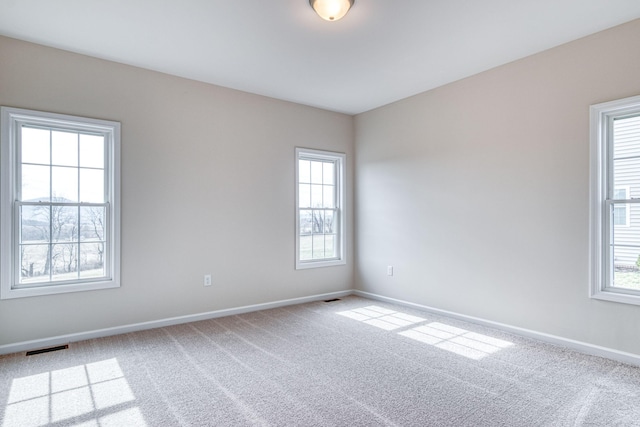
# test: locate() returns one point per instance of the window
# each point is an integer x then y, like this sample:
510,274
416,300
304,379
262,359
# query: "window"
615,209
59,211
319,208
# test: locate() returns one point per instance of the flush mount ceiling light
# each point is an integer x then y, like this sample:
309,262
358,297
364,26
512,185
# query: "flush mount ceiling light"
331,10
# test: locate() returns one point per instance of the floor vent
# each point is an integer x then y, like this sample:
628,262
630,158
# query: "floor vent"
332,300
47,350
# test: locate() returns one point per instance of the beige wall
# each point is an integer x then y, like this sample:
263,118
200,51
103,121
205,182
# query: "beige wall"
207,187
478,192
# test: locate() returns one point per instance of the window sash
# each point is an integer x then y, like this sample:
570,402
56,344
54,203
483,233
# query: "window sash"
18,281
336,233
18,244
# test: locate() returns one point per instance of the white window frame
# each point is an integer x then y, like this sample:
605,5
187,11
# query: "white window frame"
601,186
12,119
340,161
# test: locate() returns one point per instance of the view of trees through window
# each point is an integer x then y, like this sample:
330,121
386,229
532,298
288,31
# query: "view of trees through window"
61,242
62,209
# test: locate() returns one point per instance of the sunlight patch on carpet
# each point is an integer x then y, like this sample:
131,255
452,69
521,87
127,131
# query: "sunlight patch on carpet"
457,340
381,317
75,392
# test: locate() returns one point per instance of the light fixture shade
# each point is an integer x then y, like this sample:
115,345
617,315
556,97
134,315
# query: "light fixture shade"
331,10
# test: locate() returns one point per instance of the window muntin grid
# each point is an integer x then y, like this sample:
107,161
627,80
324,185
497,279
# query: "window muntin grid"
62,206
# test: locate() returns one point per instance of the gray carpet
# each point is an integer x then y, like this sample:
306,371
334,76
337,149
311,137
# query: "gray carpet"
352,362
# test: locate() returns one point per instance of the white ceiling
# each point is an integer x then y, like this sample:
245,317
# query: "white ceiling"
382,51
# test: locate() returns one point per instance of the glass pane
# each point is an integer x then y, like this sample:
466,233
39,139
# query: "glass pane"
318,221
35,146
316,196
64,148
33,263
626,273
625,175
621,215
34,224
620,193
328,196
316,172
92,260
304,196
92,220
626,137
305,247
92,151
304,171
318,246
64,223
329,172
64,186
305,222
35,183
329,222
92,186
626,278
64,262
330,246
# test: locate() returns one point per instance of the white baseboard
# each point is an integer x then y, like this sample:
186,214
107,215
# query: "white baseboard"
582,347
99,333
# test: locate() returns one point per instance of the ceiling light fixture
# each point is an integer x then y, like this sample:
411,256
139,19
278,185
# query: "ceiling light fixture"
331,10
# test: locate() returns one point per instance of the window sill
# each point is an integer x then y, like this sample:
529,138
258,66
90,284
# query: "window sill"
56,289
616,296
303,265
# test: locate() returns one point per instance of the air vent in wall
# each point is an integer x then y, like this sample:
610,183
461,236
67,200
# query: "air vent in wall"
47,350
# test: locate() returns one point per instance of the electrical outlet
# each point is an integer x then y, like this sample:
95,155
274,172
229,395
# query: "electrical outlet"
389,270
207,280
